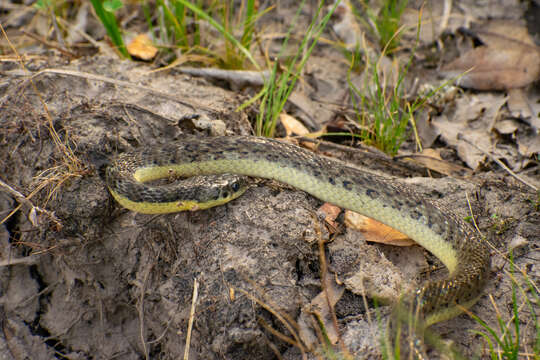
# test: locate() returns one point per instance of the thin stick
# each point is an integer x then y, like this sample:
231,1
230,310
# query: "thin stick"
24,200
27,260
472,214
89,76
191,317
140,310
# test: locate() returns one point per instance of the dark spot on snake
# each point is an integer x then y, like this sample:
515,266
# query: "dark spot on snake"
225,194
347,185
372,193
296,164
332,181
429,223
415,215
190,147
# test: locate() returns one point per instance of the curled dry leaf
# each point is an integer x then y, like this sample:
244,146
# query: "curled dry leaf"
142,48
292,125
375,231
331,213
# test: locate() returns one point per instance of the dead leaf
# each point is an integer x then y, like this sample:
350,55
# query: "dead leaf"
509,59
331,213
506,127
375,231
523,106
427,132
474,115
528,144
142,48
346,27
502,33
322,306
431,159
292,125
518,105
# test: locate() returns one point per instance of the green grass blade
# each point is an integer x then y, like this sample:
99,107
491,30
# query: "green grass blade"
489,342
108,20
197,10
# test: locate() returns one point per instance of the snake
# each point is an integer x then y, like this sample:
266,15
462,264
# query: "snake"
228,158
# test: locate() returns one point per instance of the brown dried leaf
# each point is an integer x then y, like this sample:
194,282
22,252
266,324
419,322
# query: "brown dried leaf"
431,159
525,106
142,47
506,127
486,68
475,116
503,33
375,231
292,125
331,213
346,26
509,59
518,104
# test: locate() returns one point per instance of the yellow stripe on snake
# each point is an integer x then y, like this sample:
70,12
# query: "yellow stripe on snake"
438,230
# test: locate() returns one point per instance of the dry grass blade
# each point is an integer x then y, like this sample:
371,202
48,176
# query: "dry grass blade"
194,298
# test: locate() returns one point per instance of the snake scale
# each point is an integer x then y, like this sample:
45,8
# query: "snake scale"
438,230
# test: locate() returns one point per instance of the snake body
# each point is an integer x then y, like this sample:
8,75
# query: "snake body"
438,230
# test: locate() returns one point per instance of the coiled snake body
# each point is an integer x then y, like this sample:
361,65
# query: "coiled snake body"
438,230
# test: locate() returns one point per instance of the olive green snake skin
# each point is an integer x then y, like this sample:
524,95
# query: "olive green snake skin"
436,229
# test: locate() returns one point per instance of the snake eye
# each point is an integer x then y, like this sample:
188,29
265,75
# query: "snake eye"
235,187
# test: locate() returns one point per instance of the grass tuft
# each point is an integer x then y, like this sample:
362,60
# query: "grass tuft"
506,341
105,12
281,81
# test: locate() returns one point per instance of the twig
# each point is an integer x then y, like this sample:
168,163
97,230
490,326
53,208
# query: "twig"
194,106
22,199
472,214
326,283
499,162
26,260
51,45
140,309
191,317
237,77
